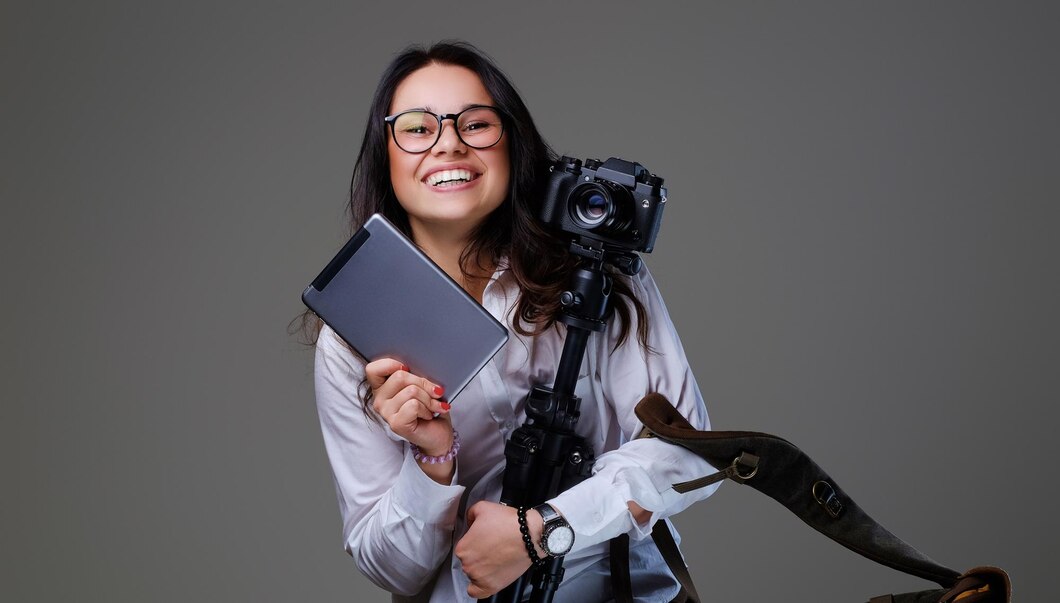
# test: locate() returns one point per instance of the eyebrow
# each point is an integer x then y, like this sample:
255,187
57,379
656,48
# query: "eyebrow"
431,109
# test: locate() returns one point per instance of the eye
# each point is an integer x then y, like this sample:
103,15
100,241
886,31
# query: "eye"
416,124
479,120
477,125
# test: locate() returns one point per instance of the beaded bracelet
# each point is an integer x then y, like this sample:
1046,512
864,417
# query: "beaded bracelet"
435,460
524,529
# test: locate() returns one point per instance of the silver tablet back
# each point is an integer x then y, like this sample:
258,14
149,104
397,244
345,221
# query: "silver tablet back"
385,298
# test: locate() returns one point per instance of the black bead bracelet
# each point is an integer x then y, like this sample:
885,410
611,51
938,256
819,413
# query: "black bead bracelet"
524,529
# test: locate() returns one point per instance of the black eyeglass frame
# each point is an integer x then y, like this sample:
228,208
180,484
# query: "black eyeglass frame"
391,119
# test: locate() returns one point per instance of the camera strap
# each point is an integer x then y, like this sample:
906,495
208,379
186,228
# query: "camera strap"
782,471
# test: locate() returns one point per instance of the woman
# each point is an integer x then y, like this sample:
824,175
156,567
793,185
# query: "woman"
452,156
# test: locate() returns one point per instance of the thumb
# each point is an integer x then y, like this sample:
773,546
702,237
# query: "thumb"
472,513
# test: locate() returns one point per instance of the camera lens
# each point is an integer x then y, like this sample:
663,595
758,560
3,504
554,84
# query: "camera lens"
592,208
603,206
591,205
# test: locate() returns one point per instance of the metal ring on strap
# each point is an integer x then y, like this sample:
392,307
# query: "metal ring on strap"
736,469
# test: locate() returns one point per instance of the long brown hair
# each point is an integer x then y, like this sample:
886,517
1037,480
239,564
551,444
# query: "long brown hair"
539,261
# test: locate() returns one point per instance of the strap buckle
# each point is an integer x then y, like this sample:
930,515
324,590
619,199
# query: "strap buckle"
825,495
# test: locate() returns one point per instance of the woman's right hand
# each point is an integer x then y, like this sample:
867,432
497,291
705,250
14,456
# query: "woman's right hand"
408,404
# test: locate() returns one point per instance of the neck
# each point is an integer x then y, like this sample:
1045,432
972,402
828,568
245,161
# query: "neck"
444,245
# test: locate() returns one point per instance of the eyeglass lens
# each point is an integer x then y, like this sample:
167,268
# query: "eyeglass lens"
417,131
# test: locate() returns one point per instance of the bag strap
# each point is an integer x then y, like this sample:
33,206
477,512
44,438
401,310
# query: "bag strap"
668,547
978,585
621,584
780,470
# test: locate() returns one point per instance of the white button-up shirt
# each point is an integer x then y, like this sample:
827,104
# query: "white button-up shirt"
400,526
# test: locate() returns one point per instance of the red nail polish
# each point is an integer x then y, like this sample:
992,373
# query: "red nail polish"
445,405
405,368
438,390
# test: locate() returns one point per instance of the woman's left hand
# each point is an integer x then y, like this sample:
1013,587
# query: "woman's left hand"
492,551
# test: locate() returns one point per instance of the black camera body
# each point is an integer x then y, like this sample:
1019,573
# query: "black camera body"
616,203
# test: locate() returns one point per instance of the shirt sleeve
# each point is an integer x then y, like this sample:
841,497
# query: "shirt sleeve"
639,470
397,522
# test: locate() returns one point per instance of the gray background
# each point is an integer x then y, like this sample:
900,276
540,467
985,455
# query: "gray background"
859,254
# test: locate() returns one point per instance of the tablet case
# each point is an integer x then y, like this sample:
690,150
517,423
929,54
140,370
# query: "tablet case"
386,298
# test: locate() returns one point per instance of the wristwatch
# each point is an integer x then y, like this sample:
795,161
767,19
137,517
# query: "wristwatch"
557,538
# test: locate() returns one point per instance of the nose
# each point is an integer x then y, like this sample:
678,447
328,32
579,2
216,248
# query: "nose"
448,140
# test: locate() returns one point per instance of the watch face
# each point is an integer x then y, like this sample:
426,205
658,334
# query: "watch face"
560,540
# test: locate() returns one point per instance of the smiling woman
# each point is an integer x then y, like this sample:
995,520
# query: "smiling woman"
452,156
447,187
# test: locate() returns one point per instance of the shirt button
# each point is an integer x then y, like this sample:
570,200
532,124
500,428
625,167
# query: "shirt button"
508,424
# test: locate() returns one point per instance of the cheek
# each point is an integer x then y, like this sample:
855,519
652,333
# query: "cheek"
501,164
395,160
503,184
402,171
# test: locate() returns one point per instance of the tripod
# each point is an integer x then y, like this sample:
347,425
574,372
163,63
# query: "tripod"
545,455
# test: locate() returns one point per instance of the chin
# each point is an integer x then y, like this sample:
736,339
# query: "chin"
454,210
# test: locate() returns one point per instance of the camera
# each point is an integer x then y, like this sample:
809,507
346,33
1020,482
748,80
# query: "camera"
616,203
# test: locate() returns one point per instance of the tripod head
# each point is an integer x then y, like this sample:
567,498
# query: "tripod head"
586,305
586,309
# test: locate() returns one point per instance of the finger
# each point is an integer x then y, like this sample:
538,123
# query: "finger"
392,396
416,404
405,420
407,407
393,384
401,378
379,370
458,552
471,514
432,406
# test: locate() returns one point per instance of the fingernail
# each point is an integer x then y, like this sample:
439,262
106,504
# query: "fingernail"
405,368
445,405
438,390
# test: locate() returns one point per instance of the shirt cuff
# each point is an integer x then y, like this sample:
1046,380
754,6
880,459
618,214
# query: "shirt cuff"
597,509
596,514
424,499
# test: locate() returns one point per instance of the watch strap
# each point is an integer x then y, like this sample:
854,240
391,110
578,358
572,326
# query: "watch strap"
548,514
552,521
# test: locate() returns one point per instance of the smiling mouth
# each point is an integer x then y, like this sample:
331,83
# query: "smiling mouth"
444,178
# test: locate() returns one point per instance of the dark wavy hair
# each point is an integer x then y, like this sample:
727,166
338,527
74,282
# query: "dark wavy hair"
539,261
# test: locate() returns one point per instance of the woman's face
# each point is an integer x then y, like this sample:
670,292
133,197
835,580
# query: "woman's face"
455,206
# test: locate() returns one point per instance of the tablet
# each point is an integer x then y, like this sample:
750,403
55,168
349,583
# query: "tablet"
386,298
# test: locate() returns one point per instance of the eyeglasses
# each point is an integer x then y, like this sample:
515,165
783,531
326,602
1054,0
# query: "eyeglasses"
416,131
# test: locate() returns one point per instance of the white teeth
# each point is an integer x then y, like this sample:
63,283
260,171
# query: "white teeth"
444,176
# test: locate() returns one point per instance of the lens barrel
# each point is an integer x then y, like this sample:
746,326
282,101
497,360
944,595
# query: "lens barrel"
602,206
